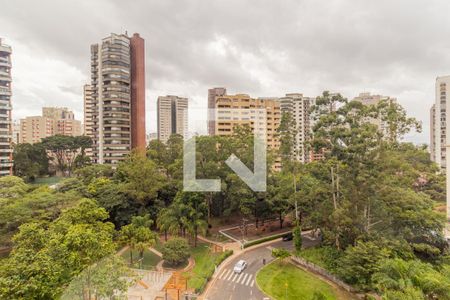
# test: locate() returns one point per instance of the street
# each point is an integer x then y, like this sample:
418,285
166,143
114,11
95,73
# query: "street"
229,286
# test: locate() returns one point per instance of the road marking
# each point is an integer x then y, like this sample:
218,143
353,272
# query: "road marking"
234,278
253,282
248,280
223,273
229,276
243,279
239,278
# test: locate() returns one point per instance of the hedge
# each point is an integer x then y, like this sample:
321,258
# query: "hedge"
266,239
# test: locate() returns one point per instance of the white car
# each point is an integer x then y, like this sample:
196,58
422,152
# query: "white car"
240,266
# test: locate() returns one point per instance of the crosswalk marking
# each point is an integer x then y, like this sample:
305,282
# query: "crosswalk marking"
229,276
223,273
241,278
245,277
249,278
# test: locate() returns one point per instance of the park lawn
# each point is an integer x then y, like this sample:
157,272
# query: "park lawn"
148,263
301,285
204,266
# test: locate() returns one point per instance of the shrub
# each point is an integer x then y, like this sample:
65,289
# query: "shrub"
280,253
266,239
176,251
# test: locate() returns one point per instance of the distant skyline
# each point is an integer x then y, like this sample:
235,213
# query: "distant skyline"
262,48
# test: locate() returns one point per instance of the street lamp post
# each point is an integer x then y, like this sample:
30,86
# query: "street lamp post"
285,289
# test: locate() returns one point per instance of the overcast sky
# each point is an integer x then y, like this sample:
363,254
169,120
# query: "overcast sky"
262,48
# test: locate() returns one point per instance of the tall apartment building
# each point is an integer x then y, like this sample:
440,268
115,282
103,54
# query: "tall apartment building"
438,129
114,102
212,94
433,133
89,111
299,107
172,116
368,99
5,110
240,109
16,132
54,121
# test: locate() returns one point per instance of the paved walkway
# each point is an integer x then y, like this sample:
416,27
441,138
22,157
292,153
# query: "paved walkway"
149,286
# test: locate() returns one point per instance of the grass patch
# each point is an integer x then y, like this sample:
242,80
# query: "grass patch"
325,257
205,262
279,280
159,244
148,263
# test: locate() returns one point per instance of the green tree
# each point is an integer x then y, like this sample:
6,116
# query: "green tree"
141,179
138,235
66,149
44,259
196,211
30,161
281,253
176,251
12,187
397,276
360,262
287,133
108,279
298,239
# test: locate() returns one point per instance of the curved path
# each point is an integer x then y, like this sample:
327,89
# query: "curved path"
228,286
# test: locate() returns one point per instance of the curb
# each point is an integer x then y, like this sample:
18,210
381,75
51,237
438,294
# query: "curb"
256,281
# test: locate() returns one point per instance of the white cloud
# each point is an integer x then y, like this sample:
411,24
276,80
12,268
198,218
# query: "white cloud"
263,48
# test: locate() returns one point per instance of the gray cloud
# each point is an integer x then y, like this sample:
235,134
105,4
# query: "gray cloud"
261,47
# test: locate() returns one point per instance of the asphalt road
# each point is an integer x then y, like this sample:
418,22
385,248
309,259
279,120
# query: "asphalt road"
230,286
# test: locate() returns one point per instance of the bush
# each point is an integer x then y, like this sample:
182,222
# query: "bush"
280,253
176,251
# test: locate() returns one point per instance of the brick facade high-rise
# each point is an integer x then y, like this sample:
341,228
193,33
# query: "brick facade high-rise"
138,136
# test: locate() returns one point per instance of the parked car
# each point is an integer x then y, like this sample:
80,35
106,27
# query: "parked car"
240,266
288,237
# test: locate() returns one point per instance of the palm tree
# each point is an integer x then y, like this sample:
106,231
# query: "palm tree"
138,235
196,213
172,220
